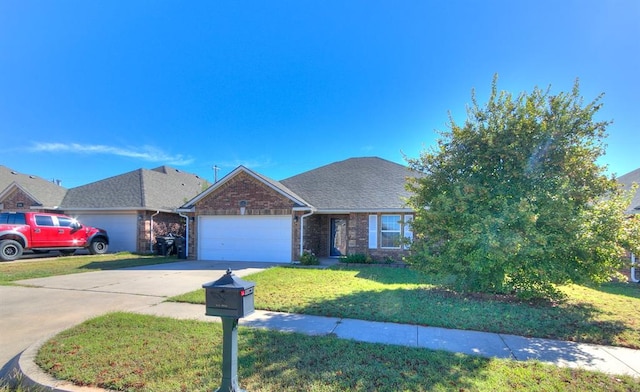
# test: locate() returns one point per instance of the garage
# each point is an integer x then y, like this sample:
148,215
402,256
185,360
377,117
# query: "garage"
122,229
245,238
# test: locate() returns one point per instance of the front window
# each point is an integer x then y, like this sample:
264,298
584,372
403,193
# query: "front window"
44,220
390,229
64,221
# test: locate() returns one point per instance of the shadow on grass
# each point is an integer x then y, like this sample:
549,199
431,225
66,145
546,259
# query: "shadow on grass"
397,275
126,263
308,362
438,308
626,289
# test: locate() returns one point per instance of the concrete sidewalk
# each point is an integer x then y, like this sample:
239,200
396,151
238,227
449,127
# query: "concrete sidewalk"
612,360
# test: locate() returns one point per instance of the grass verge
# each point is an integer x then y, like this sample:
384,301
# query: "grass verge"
128,352
52,266
605,315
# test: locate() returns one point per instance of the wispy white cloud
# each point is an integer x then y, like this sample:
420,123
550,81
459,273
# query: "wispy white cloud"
260,162
145,153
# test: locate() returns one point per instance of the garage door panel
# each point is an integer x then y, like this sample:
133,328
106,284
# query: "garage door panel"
245,238
122,229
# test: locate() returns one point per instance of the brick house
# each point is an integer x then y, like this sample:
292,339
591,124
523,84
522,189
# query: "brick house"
627,181
353,206
24,192
134,207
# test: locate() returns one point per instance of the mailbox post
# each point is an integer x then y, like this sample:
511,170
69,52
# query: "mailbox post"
230,298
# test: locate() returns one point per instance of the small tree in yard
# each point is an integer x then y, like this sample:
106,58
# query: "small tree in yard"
514,202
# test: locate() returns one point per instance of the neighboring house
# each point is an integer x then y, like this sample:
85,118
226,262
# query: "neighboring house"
355,206
627,182
23,192
135,207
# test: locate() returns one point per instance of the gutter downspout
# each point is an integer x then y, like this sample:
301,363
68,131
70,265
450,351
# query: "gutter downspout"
186,236
151,232
302,230
633,269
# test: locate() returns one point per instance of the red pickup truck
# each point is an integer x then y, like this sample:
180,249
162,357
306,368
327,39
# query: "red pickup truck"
43,232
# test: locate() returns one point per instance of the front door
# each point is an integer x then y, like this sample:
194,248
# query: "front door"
338,237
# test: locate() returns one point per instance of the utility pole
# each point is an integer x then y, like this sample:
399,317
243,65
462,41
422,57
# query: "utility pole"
215,173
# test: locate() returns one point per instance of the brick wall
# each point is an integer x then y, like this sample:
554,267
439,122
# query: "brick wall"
11,201
317,236
258,198
163,224
243,190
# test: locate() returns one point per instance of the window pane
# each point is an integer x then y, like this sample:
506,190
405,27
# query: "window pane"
389,240
44,220
64,221
390,231
390,222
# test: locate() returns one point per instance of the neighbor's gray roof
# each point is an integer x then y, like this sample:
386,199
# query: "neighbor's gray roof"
162,188
47,193
355,184
627,181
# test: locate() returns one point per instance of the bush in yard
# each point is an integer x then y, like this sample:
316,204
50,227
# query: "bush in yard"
308,258
356,258
513,201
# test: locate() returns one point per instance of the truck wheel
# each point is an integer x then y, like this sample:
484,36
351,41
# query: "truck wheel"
10,250
98,247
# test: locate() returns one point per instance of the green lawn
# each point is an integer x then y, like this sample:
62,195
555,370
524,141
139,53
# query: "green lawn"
52,266
604,315
128,352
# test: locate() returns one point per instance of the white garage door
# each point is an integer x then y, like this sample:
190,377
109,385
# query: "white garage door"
122,229
245,238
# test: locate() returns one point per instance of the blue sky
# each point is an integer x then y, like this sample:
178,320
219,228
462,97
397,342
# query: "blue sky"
93,89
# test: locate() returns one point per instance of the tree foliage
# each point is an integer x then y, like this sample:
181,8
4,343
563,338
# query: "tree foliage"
513,201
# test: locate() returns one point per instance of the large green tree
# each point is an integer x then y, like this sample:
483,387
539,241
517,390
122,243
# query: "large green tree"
513,201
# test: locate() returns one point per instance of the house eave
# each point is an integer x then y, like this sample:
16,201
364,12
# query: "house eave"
122,209
364,210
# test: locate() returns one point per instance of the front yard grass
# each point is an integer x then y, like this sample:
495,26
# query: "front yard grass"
53,266
129,352
602,315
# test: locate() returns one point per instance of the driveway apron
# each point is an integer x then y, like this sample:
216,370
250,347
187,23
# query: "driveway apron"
41,307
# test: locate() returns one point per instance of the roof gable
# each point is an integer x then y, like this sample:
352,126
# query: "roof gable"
46,194
268,182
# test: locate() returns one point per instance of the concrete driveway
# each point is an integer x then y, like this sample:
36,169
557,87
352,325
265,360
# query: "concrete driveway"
50,305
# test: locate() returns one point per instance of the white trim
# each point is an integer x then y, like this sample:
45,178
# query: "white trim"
399,231
366,210
373,231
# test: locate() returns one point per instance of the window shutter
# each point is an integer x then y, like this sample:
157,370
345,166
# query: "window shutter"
408,232
373,231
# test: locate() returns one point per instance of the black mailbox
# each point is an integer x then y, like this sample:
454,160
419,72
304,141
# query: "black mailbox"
229,296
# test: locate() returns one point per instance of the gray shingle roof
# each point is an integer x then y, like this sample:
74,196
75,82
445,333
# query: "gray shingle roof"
47,193
162,188
355,184
627,181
